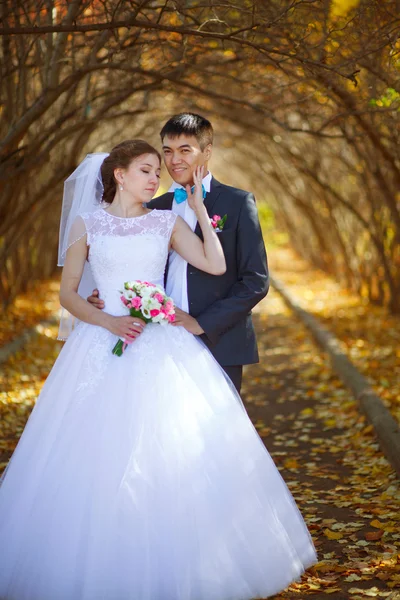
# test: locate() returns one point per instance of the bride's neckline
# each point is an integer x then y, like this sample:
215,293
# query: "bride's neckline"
126,218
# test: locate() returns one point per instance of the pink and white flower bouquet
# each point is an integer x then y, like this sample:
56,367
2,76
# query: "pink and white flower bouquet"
148,302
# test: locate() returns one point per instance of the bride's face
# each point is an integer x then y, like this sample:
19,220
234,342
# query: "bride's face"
142,178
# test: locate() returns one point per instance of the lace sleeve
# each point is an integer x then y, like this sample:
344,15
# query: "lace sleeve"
84,225
171,222
77,232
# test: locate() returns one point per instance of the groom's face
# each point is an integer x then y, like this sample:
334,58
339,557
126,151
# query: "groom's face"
182,155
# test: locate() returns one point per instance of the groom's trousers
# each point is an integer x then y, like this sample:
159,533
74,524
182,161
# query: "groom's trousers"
235,374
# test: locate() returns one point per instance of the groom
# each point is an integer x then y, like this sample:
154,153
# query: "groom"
216,308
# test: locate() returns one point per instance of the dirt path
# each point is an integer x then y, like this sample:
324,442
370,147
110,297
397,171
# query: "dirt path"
329,458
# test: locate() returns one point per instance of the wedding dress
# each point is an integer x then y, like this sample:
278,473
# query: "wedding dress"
141,477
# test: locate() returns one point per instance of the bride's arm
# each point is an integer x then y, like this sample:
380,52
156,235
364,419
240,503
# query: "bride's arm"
208,255
80,308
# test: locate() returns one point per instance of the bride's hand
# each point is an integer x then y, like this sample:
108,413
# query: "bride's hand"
195,199
127,328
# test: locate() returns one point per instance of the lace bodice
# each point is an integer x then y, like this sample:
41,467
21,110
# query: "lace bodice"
125,249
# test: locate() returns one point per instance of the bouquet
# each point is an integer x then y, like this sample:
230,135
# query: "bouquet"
148,302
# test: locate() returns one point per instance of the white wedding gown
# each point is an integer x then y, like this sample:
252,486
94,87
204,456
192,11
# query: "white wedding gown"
141,477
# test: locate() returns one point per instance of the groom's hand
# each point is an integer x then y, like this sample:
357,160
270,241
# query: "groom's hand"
95,300
183,319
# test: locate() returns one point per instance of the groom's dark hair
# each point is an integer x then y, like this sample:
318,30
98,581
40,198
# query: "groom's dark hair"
189,124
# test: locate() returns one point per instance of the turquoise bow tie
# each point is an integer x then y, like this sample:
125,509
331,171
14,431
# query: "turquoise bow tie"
180,194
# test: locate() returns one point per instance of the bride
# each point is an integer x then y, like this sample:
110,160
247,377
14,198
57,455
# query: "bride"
140,477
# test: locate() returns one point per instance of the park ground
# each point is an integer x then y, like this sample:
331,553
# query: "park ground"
310,423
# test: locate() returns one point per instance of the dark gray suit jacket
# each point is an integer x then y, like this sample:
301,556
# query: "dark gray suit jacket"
222,304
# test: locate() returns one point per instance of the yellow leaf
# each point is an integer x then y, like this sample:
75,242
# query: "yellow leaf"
291,463
375,523
333,535
390,526
339,8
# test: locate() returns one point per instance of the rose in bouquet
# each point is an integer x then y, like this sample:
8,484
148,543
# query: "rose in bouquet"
148,302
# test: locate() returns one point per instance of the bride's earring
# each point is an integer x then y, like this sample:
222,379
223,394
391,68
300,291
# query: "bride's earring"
121,187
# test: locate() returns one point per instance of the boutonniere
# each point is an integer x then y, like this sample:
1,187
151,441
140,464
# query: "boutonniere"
218,223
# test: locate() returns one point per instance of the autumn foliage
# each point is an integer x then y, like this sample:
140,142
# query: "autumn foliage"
304,96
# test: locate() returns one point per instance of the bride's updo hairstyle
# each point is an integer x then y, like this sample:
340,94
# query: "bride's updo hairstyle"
121,157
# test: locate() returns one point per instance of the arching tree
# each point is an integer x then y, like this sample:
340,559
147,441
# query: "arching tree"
308,91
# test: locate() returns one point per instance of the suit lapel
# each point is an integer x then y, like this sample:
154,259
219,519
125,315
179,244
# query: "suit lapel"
210,200
163,202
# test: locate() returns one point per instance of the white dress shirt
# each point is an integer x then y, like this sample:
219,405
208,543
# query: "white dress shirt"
176,285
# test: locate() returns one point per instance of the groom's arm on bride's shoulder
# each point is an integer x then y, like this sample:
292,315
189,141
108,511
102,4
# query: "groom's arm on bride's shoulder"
252,283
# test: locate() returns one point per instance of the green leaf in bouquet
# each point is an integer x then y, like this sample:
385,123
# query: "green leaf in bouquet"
139,315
